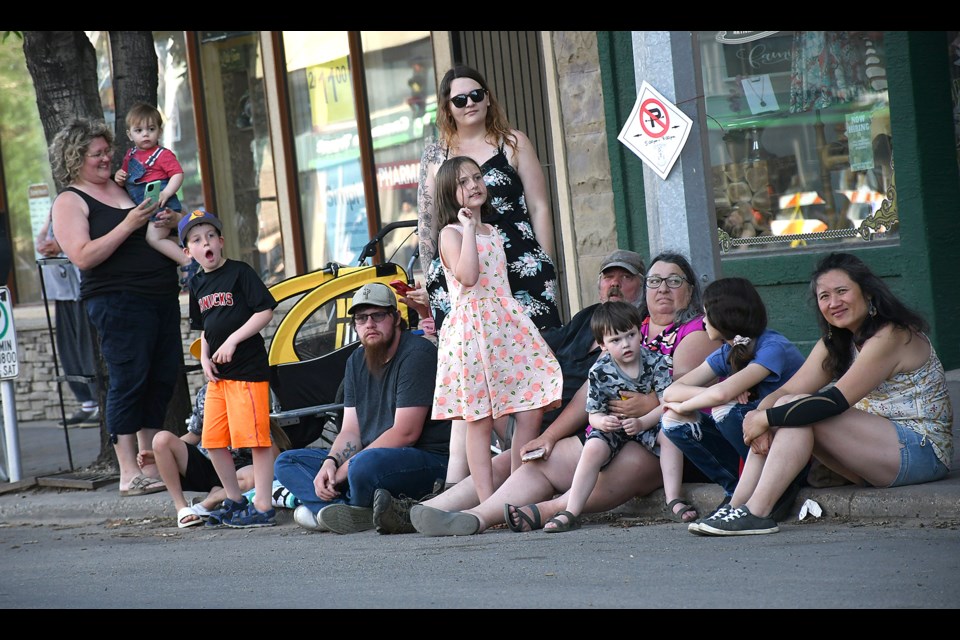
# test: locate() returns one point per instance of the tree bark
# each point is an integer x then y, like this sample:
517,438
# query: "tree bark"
135,76
63,65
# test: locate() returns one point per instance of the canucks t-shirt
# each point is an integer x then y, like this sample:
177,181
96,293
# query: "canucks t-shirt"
221,302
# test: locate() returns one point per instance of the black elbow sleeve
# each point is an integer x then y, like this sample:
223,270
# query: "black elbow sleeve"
804,411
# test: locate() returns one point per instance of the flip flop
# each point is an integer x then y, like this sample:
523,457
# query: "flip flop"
533,522
143,485
186,512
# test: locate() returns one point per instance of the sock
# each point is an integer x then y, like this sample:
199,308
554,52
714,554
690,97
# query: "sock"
282,498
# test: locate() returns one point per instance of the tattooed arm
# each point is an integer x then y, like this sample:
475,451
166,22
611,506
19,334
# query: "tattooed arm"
427,225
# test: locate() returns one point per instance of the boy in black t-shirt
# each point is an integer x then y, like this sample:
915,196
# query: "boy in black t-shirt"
231,305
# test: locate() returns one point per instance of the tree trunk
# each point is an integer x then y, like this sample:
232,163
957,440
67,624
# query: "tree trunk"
135,76
135,79
63,65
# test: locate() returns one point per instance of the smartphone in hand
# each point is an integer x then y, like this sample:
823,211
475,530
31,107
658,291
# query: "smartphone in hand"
536,454
401,287
152,191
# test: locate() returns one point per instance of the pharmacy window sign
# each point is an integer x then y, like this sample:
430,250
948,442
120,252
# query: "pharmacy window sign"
656,130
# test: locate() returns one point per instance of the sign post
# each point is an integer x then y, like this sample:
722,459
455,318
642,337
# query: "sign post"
9,369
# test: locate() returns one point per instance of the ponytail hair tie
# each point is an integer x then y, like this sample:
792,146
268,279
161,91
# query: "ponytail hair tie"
740,340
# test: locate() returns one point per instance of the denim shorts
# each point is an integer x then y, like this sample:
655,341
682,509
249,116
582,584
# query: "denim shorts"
918,461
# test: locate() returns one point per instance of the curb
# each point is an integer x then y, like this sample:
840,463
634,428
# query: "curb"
934,500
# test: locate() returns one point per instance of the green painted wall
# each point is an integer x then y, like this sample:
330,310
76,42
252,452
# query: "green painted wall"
922,267
619,95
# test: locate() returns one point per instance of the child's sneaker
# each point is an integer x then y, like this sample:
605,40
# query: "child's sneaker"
217,516
249,517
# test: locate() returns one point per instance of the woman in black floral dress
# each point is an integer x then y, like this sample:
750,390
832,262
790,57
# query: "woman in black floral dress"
473,124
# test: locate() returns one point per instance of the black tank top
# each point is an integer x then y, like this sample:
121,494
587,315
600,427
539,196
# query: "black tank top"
135,267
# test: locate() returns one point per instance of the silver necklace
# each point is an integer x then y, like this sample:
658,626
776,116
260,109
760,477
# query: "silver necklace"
760,94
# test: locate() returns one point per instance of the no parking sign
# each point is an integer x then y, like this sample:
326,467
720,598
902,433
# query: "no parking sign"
656,130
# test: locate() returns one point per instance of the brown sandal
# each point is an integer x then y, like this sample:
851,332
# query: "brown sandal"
677,516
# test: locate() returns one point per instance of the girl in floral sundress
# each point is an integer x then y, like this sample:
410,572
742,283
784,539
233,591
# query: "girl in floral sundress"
492,359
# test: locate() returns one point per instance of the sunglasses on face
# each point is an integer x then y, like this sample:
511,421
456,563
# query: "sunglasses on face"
477,95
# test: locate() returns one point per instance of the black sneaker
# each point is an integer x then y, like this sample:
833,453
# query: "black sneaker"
392,515
722,510
739,522
84,416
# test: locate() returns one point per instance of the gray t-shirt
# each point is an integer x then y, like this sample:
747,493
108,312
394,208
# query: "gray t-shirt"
407,381
606,380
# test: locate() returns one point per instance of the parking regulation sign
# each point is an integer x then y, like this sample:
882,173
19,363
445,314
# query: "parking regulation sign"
9,367
656,130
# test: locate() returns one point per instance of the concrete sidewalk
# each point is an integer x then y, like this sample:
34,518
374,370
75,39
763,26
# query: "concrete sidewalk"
43,447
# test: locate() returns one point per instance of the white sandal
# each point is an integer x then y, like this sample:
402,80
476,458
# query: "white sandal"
186,512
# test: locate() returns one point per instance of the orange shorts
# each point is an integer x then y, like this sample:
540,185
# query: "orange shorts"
236,413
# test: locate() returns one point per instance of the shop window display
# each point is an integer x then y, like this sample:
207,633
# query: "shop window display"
799,135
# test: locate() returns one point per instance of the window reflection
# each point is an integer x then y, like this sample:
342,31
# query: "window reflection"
799,135
401,98
403,106
240,151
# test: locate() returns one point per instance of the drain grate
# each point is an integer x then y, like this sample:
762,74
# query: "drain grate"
78,480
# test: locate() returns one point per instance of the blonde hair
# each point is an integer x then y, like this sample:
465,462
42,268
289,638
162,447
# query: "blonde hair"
69,146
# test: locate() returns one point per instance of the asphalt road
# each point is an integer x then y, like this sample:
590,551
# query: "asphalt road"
148,563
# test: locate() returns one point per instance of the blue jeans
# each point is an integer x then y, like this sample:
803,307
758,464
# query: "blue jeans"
404,470
715,446
140,342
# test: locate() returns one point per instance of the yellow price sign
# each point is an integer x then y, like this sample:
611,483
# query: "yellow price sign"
331,92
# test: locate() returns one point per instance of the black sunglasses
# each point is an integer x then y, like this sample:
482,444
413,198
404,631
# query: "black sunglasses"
477,95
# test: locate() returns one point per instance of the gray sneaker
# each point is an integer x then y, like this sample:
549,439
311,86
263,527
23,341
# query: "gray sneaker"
392,515
307,519
721,511
739,522
345,518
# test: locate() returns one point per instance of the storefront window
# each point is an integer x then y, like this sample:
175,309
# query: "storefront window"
799,136
403,104
401,101
176,106
323,121
240,151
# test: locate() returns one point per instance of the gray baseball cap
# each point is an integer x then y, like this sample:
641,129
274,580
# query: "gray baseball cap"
629,260
375,293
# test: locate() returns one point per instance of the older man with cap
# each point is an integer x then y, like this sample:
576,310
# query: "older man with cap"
620,278
387,439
